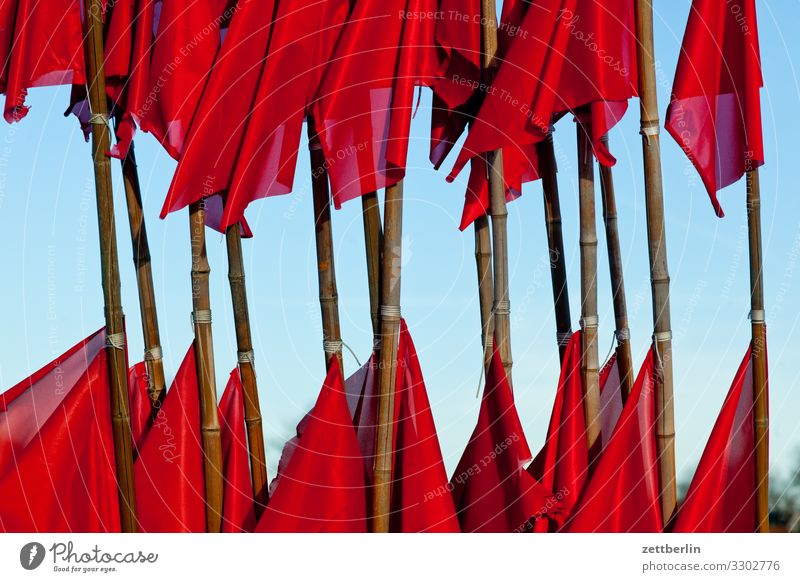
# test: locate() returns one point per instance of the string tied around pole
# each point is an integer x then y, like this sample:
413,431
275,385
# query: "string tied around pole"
115,341
589,321
649,129
201,316
563,337
247,357
153,354
332,346
660,336
390,312
757,316
98,119
502,307
623,334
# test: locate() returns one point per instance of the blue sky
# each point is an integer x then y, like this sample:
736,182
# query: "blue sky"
51,296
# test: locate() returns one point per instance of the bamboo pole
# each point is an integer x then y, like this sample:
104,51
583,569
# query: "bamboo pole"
622,333
657,246
590,365
326,269
244,346
387,368
204,357
373,239
156,383
501,310
555,242
483,261
759,352
109,266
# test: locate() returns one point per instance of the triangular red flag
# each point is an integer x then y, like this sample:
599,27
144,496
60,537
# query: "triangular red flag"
491,488
622,493
610,399
715,112
238,513
170,491
321,487
140,407
57,471
722,495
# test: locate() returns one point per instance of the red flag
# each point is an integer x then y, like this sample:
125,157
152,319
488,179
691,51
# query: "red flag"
57,471
170,492
491,488
562,464
715,112
8,12
365,103
321,488
46,50
238,513
140,406
610,399
215,136
362,400
622,493
722,496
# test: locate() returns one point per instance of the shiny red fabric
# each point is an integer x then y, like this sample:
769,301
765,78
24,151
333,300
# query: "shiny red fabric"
622,493
170,494
139,399
722,495
46,50
238,514
715,111
365,103
492,491
302,41
563,463
610,399
8,12
362,399
321,487
215,136
57,471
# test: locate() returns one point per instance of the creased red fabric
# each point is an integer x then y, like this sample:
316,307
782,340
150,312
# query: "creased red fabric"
491,488
139,398
365,103
321,488
610,399
169,475
57,471
722,495
622,493
238,514
362,400
715,111
8,14
46,50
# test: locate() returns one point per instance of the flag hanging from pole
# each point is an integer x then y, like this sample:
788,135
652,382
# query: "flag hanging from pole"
140,407
57,471
722,495
715,110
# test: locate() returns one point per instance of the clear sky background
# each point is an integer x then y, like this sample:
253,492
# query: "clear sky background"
50,295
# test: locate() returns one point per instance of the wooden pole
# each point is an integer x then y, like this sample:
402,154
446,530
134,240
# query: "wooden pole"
501,310
206,376
387,368
590,365
326,270
555,242
483,261
622,333
156,383
247,371
759,352
657,244
109,266
373,239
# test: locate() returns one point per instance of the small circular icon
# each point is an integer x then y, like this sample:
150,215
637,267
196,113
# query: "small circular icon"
31,555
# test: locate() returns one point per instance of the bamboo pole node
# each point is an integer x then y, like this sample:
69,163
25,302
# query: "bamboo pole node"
502,307
200,316
757,316
562,338
623,334
328,298
153,354
390,312
116,341
332,346
247,357
589,321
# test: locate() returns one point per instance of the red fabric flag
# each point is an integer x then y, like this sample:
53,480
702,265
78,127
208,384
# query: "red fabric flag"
140,407
8,12
46,50
722,498
215,136
238,514
492,490
366,99
610,399
299,51
321,487
57,471
622,493
362,400
170,491
715,111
